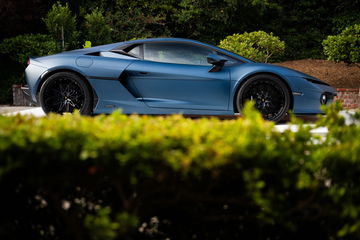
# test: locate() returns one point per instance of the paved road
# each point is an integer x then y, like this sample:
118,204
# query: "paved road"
8,108
36,111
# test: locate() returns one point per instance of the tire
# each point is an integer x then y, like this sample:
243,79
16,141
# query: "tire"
65,92
270,95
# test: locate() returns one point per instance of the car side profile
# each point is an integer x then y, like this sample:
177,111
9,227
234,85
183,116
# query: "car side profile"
166,76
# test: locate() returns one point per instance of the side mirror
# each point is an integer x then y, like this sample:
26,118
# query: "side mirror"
217,62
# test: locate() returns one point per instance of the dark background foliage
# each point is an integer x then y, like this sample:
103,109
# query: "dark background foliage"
303,25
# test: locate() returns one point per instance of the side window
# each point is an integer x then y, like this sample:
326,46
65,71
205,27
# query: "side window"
180,53
135,51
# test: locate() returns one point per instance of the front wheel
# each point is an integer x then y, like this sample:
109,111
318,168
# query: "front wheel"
269,94
65,92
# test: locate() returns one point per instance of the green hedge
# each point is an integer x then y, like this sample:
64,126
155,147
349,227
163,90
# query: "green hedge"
345,46
19,48
143,177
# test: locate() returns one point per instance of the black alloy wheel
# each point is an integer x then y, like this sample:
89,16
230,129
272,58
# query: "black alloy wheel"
269,94
65,92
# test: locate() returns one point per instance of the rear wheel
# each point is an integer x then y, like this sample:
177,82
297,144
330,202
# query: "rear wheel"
269,94
65,92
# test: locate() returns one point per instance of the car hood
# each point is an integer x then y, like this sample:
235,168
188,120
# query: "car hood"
285,71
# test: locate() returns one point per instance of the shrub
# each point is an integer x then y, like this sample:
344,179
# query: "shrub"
20,47
143,177
258,46
345,46
87,44
96,29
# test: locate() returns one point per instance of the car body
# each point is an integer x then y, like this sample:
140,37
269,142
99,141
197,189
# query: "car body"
169,75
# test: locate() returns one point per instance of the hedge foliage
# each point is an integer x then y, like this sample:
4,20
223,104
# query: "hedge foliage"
143,177
258,46
345,46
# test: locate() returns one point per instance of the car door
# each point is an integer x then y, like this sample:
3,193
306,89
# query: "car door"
176,75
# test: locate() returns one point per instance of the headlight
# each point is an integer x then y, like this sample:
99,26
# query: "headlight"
323,99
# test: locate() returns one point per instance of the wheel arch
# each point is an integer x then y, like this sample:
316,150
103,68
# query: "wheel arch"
50,73
86,81
260,73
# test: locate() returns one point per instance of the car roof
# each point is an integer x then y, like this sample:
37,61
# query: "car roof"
162,40
113,46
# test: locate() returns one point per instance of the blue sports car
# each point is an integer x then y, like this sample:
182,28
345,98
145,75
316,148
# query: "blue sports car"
169,75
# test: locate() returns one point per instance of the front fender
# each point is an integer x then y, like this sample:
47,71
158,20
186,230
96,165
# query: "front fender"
244,71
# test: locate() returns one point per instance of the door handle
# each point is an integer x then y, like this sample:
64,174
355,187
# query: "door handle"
143,73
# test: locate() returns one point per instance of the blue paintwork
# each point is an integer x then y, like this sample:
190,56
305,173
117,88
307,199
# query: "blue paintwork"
165,88
169,85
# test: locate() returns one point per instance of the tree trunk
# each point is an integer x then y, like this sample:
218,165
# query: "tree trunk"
62,38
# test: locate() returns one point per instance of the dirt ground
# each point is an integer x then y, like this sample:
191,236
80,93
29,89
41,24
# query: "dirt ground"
338,75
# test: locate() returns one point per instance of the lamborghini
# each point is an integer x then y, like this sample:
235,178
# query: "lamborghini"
167,76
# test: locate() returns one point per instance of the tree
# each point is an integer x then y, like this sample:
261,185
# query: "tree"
61,24
96,28
211,21
138,19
